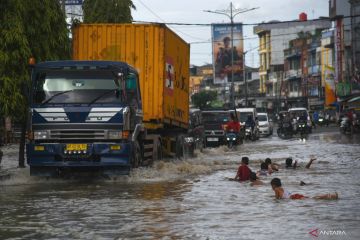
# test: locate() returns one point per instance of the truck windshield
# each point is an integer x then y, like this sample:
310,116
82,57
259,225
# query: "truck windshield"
76,86
298,113
210,117
244,116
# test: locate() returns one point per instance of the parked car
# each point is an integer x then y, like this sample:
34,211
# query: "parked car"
214,121
265,124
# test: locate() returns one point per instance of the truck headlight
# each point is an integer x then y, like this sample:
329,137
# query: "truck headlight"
41,135
115,135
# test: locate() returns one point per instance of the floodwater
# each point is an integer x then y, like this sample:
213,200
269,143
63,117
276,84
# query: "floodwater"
191,199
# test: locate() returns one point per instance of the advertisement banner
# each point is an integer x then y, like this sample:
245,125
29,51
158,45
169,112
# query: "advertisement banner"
330,96
222,52
339,50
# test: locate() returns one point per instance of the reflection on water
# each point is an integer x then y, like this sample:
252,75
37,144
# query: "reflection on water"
192,199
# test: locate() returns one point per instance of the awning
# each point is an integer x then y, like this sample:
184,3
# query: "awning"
354,99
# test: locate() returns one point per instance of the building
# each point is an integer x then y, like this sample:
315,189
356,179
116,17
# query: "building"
247,92
355,44
293,91
274,38
339,12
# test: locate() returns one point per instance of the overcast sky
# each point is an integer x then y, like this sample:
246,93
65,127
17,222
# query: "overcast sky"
192,11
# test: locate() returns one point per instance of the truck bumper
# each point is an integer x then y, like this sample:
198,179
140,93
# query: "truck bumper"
50,158
214,140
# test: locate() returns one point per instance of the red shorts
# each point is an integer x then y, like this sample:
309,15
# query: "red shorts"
297,196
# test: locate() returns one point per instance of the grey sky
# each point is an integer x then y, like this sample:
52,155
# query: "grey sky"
191,11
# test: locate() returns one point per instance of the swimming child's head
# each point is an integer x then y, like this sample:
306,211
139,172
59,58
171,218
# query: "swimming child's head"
268,161
275,182
288,162
245,160
263,166
253,176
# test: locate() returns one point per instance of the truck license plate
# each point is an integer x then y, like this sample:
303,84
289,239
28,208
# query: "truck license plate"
213,139
76,147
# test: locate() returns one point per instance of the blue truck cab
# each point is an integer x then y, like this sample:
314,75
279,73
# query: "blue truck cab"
84,115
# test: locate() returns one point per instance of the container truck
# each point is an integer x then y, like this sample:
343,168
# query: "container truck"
122,102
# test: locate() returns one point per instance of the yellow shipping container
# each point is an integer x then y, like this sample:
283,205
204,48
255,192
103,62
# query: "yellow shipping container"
160,56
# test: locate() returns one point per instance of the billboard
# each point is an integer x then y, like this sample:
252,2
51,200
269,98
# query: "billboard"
221,42
330,96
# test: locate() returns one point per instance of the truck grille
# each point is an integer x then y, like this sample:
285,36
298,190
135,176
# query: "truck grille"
214,132
77,134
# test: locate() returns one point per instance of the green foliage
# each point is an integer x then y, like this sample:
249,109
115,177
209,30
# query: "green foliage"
27,29
14,50
46,30
204,99
107,11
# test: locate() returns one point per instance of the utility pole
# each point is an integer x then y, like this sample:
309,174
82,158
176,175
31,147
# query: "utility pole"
245,80
63,7
231,13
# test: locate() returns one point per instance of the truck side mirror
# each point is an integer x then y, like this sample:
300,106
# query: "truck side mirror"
131,82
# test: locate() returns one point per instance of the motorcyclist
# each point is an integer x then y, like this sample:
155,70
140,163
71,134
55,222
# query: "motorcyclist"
233,125
315,118
285,123
350,116
303,118
250,123
294,121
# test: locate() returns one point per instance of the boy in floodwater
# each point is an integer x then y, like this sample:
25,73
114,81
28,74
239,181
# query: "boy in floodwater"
255,181
289,163
243,173
281,193
264,170
272,166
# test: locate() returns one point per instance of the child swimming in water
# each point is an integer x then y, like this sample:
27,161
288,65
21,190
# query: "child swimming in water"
255,181
243,173
264,170
281,193
272,166
289,163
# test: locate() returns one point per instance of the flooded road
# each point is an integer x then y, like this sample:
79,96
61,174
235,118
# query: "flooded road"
191,199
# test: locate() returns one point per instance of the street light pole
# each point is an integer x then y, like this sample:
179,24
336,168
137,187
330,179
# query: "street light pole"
233,13
232,101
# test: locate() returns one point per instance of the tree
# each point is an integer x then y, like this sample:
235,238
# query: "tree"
107,11
27,29
204,99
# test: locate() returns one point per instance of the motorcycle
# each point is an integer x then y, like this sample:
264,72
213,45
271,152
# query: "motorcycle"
302,129
285,130
321,121
250,134
231,139
345,125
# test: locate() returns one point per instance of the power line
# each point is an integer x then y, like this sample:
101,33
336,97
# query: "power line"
248,24
164,20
